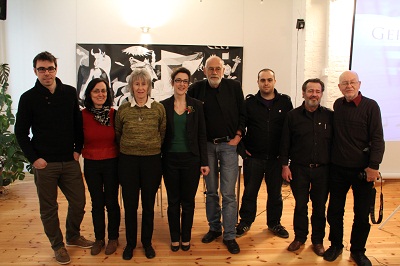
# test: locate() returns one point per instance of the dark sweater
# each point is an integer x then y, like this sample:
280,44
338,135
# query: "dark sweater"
358,134
55,121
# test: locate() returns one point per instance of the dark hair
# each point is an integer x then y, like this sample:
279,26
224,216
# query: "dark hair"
45,56
178,70
316,80
88,102
265,70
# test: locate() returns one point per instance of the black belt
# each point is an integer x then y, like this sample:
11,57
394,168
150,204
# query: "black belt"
220,140
310,165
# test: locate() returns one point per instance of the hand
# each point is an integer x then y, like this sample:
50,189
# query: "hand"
248,153
204,170
40,163
286,173
235,141
372,174
76,156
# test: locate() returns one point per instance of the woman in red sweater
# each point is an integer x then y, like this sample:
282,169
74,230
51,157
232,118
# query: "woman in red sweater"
100,153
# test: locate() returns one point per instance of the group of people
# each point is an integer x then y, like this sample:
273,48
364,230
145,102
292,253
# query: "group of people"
200,130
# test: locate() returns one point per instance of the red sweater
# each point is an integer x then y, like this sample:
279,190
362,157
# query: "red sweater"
99,140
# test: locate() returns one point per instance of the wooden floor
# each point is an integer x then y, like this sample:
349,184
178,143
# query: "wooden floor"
23,242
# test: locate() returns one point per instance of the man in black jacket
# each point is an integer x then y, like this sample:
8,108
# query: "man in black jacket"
224,114
357,152
265,114
306,141
50,109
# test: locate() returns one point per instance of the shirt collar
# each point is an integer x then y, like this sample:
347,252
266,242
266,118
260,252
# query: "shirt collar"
357,100
147,104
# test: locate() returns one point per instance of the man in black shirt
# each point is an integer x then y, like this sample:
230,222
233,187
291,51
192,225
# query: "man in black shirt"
265,114
224,114
358,147
306,142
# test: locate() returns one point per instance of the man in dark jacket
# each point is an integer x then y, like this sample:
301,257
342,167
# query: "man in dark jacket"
50,109
265,114
224,114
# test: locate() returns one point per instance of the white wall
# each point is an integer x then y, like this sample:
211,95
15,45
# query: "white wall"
266,30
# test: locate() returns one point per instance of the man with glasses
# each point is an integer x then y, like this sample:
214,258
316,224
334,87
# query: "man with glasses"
225,116
357,152
50,110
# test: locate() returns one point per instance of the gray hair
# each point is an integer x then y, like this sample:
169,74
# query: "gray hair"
140,74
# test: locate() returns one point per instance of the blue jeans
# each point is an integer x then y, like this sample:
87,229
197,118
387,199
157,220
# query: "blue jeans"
227,157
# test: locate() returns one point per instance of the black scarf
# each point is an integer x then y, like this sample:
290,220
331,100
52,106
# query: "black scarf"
101,115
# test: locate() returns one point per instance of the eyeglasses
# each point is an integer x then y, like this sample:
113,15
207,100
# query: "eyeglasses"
352,83
99,91
184,81
43,69
212,69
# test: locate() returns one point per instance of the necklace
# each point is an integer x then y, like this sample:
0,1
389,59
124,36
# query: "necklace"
140,119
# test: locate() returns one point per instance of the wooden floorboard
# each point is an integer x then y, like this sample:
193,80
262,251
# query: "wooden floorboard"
23,242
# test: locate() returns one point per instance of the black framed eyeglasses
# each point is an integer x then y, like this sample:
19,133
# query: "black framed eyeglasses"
43,69
184,81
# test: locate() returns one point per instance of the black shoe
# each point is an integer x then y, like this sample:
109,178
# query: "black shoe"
332,253
149,252
279,230
128,252
174,248
360,259
232,246
241,229
185,247
210,236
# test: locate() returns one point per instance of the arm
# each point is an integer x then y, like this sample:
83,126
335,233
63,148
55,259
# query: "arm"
78,128
162,123
202,137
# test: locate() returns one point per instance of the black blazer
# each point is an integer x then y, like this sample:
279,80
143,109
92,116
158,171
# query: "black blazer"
195,128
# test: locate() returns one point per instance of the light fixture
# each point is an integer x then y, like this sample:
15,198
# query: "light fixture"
145,29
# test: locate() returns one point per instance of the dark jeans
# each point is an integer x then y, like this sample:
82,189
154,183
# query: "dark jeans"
341,179
139,174
68,177
102,181
254,171
309,183
181,177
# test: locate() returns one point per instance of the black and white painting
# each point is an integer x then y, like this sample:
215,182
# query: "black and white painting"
115,62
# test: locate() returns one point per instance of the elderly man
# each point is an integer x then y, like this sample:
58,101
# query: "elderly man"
225,116
357,151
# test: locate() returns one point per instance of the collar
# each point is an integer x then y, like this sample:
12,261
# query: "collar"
147,104
357,100
304,110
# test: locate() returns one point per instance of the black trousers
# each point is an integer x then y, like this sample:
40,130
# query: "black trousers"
341,179
309,183
181,177
102,180
255,170
139,174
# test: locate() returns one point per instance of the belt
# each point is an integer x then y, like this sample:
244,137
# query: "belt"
314,165
220,140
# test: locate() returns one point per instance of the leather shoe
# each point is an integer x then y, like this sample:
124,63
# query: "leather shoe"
128,252
185,247
174,248
332,253
360,259
149,252
295,245
232,246
210,236
318,249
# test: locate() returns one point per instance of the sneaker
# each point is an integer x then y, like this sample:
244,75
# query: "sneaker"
360,259
62,256
241,229
111,246
279,230
97,247
80,242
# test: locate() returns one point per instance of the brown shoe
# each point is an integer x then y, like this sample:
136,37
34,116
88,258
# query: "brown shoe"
295,245
318,249
111,246
97,247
